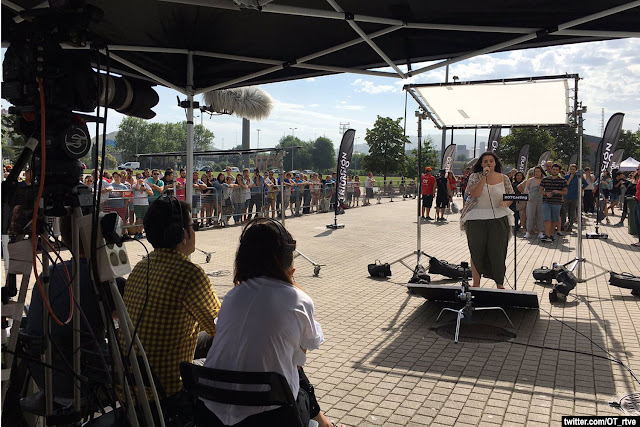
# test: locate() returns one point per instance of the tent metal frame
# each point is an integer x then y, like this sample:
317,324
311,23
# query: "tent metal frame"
424,112
433,115
352,19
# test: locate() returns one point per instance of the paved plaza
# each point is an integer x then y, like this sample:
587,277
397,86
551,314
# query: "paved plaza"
386,361
384,364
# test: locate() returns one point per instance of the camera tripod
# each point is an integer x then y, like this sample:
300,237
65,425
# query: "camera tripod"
468,309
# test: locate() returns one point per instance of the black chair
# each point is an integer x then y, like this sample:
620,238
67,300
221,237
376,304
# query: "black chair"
279,393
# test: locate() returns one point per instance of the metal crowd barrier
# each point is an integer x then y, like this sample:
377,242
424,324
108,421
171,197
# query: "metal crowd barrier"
211,207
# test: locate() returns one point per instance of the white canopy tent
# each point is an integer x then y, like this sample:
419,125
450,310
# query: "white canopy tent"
630,164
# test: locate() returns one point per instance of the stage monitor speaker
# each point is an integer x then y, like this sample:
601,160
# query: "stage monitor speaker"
482,297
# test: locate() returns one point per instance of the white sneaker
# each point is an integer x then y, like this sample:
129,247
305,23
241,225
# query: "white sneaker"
540,235
527,235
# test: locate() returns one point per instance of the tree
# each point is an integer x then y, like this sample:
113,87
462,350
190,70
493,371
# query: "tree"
132,137
202,137
429,158
539,140
302,158
357,160
386,146
12,141
630,142
323,154
565,143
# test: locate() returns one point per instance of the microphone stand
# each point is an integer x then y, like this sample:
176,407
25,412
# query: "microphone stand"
515,198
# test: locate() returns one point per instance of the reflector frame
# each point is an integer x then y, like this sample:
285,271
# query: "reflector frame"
507,103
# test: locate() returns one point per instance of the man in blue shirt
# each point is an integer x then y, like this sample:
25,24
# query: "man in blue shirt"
571,199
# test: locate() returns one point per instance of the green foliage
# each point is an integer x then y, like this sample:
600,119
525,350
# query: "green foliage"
429,158
12,141
139,136
386,147
357,161
302,157
323,155
110,162
565,143
539,140
630,142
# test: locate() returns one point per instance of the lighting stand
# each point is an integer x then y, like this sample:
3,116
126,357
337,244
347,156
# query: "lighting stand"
576,264
316,266
597,234
468,309
418,252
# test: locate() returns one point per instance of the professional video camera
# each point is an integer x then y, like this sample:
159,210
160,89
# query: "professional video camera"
41,79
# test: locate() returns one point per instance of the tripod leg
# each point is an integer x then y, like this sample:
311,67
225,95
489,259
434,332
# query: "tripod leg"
496,308
458,326
445,309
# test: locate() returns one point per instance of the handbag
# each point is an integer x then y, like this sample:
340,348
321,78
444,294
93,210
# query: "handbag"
626,281
543,275
377,269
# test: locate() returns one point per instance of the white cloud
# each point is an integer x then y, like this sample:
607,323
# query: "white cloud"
351,107
313,105
370,87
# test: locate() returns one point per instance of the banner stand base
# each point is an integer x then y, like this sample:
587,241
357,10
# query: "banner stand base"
335,226
597,236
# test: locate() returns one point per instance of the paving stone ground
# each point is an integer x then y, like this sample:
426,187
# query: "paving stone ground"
384,364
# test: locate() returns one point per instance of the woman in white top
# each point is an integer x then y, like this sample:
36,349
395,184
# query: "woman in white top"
266,324
487,219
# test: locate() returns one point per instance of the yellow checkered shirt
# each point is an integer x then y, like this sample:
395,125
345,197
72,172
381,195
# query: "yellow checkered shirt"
180,304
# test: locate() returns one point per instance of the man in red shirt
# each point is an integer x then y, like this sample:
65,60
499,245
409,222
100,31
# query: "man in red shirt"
428,186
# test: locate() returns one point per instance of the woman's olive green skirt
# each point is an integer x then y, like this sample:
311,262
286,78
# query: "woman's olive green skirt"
488,240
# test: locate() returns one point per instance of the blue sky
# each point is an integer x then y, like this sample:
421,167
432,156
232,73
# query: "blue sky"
610,73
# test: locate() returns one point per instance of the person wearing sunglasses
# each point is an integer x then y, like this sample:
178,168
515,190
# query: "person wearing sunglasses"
156,184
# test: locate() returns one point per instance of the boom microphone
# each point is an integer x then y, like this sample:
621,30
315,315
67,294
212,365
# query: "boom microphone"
249,103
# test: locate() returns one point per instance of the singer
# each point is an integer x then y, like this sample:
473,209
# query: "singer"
487,219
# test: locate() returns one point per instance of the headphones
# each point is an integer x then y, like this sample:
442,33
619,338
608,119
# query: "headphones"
173,233
287,243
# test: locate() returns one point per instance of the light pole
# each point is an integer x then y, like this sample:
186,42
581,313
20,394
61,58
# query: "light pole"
292,147
258,130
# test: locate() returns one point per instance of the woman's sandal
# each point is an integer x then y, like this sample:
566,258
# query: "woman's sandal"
636,245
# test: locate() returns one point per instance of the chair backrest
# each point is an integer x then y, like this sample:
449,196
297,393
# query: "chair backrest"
278,393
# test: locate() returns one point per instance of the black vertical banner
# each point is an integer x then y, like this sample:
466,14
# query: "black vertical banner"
608,144
493,144
523,158
544,158
448,157
573,160
344,160
617,159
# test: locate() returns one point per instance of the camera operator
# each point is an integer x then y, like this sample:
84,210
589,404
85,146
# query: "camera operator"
487,219
61,336
171,297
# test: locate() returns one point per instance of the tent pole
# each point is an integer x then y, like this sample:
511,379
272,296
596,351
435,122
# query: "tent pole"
475,141
189,91
419,196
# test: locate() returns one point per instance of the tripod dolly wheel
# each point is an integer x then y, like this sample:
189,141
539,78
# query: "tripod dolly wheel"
316,270
208,258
